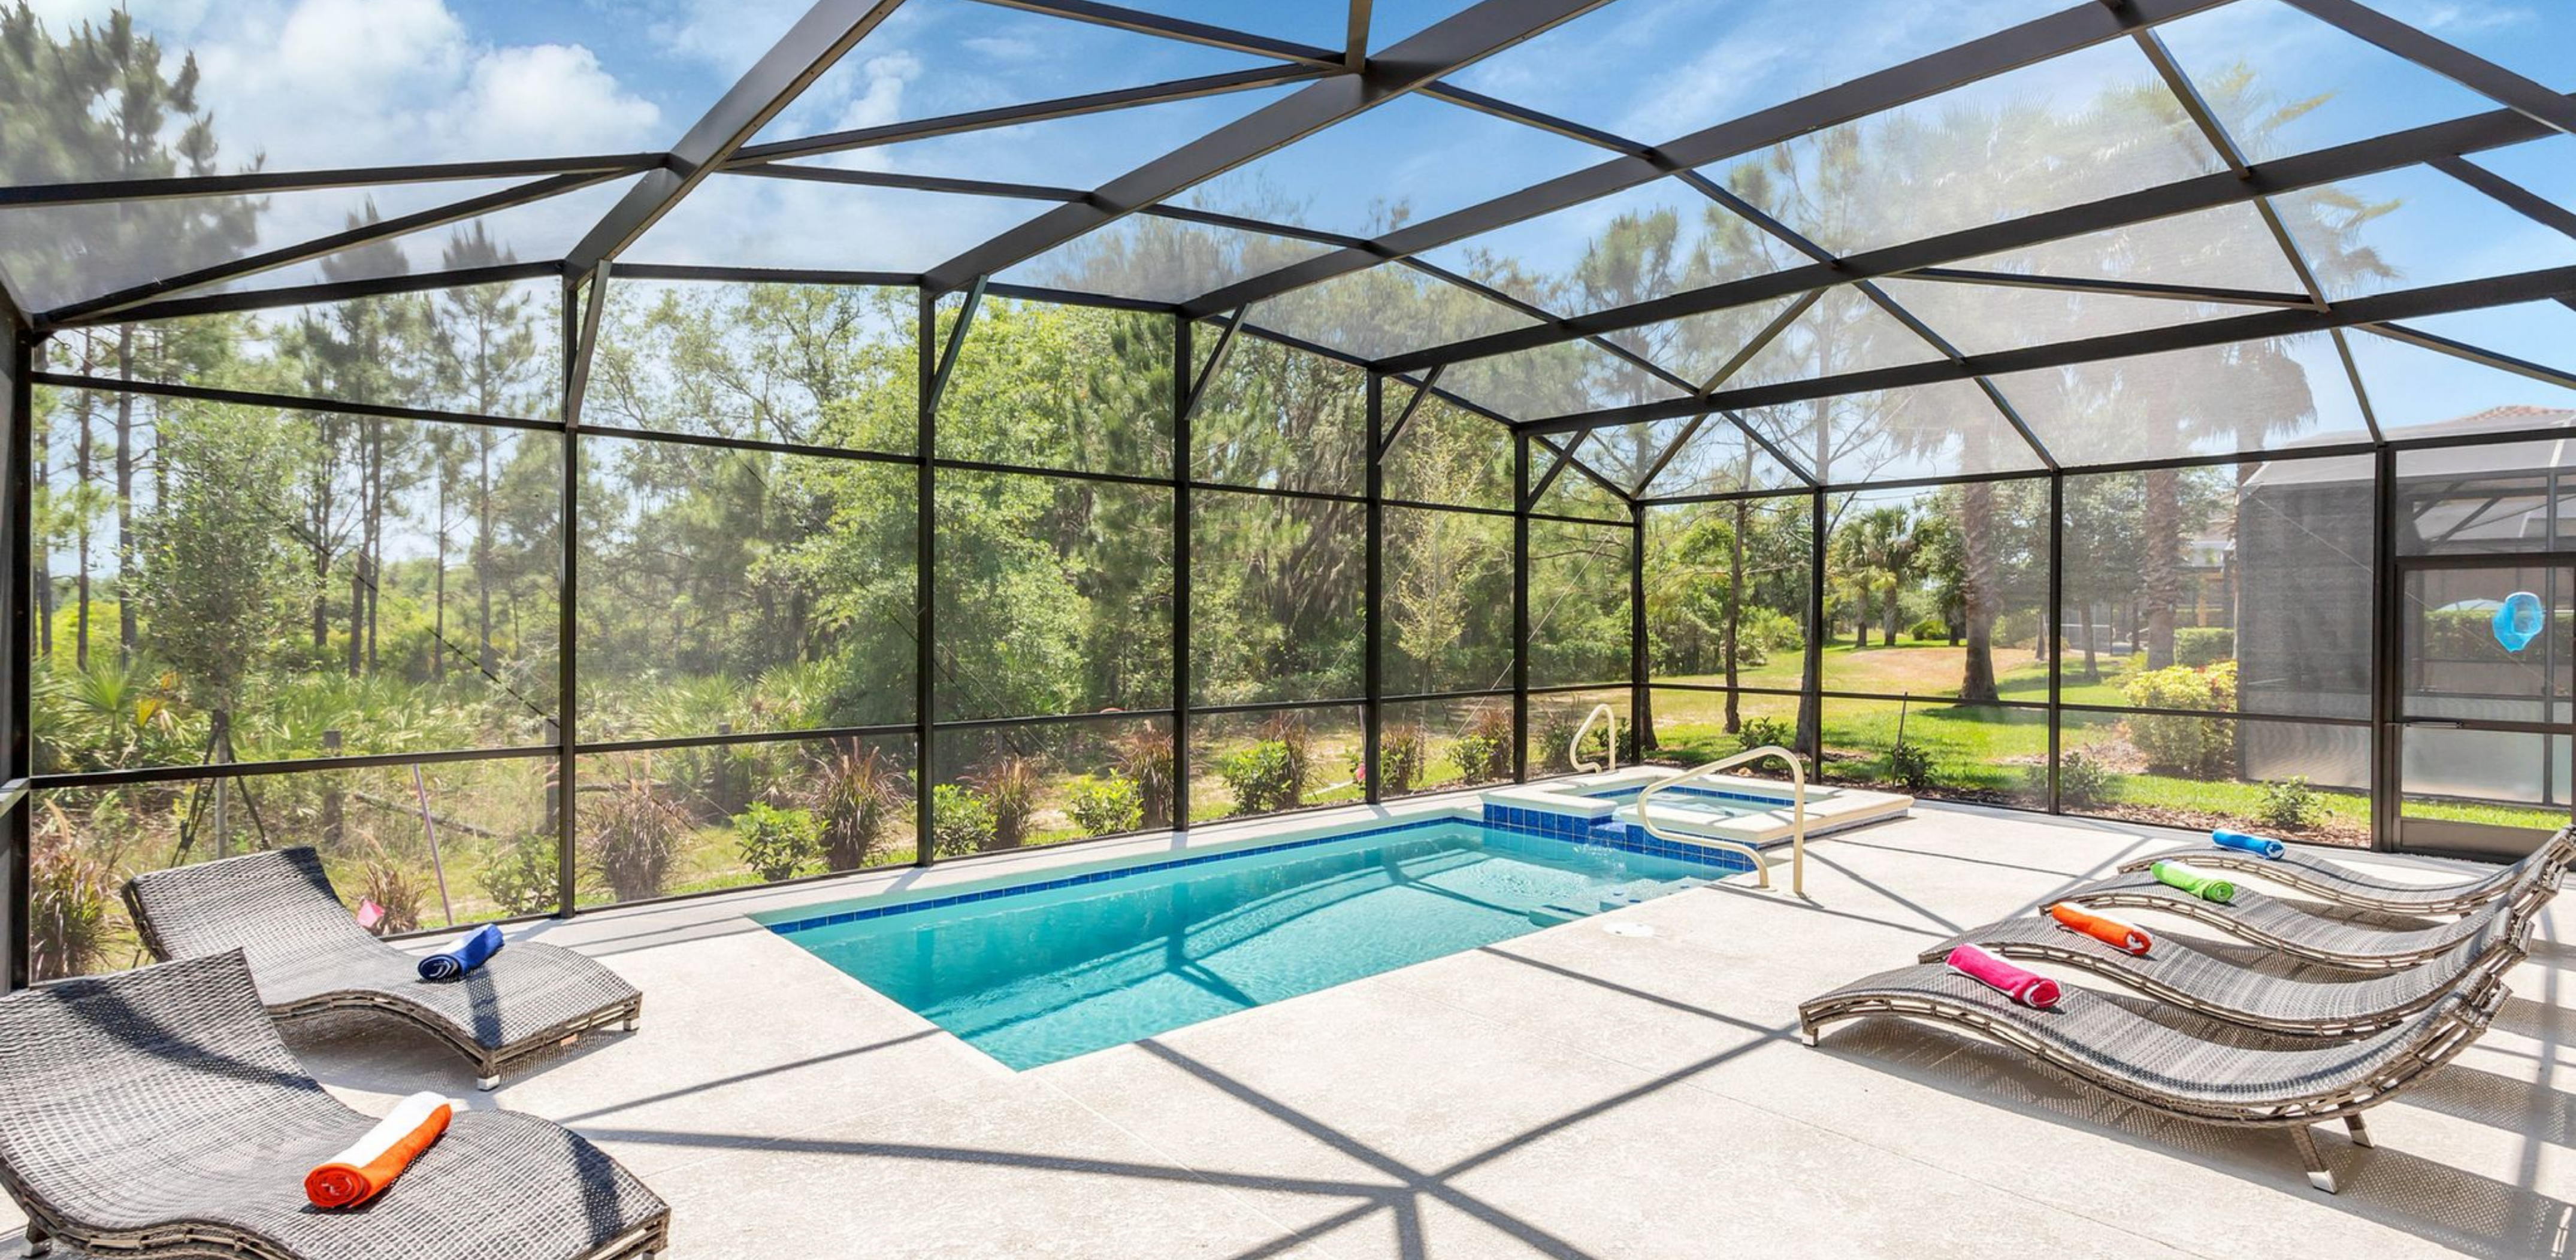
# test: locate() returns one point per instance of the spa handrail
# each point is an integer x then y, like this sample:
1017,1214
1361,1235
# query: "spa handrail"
1574,747
1797,814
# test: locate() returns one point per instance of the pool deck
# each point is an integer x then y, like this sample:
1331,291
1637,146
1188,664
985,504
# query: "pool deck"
1574,1092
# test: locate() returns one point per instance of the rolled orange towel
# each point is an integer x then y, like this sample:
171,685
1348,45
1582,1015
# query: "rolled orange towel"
372,1162
2110,932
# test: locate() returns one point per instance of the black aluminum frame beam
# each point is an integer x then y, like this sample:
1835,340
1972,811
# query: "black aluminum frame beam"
2473,72
1458,40
2519,199
2526,286
2108,288
90,309
2366,157
1033,111
798,58
102,191
303,294
1182,29
2031,42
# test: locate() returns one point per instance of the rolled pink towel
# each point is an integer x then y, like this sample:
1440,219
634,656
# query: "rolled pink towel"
2029,988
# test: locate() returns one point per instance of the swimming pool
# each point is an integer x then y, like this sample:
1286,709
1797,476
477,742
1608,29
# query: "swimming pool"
1036,974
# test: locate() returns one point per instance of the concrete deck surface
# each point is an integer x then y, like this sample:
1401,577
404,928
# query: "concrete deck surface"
1573,1092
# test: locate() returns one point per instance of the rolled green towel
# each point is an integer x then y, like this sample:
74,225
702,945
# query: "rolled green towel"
2205,887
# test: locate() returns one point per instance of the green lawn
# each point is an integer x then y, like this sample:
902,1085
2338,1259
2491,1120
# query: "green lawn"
1989,753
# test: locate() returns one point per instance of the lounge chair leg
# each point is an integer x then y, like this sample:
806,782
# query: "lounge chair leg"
1807,1036
39,1243
2319,1175
2360,1135
488,1083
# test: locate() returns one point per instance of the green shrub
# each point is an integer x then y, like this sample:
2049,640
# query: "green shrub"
961,820
1010,787
1144,757
2200,647
2289,803
2082,782
70,890
1265,777
1484,753
776,842
2020,629
1929,630
2177,743
634,832
853,794
1757,732
1399,760
521,879
1910,765
1556,727
1105,806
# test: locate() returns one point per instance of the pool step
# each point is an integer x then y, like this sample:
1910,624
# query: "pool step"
1634,892
1550,916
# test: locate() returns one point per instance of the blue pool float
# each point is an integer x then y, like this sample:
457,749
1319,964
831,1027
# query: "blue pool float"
2518,620
2259,846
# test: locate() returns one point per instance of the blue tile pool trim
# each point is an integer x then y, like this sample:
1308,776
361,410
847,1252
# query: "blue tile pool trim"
1609,833
1612,835
785,926
1712,793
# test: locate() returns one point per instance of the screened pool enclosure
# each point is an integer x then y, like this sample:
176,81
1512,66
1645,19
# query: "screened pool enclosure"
550,461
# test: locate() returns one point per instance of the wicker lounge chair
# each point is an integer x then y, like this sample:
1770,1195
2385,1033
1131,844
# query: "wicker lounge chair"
156,1113
2176,972
2344,885
311,957
2305,933
2097,1041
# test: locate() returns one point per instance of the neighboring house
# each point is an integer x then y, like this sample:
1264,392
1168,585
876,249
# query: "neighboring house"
2303,549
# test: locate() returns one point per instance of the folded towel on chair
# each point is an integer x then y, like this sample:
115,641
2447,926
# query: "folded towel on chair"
2259,846
464,956
2110,932
2029,988
2204,886
372,1162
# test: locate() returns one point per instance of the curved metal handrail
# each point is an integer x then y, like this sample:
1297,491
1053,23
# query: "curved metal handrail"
1574,748
1797,814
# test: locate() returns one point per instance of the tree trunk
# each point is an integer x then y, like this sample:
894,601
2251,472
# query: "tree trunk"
2092,662
43,575
124,494
438,595
483,552
84,467
1734,614
1977,590
2161,590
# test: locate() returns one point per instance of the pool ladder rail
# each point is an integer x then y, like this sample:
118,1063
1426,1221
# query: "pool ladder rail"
1761,865
1574,747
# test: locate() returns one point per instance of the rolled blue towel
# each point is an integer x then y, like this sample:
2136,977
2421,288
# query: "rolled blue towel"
2259,846
465,956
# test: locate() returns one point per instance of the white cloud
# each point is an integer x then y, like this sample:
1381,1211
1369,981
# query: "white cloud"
553,98
371,82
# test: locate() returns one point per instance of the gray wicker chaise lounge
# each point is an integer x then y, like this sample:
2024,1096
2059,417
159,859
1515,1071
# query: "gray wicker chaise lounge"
2305,933
156,1113
2345,885
310,957
2173,971
2095,1040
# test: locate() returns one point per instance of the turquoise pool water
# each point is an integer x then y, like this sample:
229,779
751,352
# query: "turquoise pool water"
1036,977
